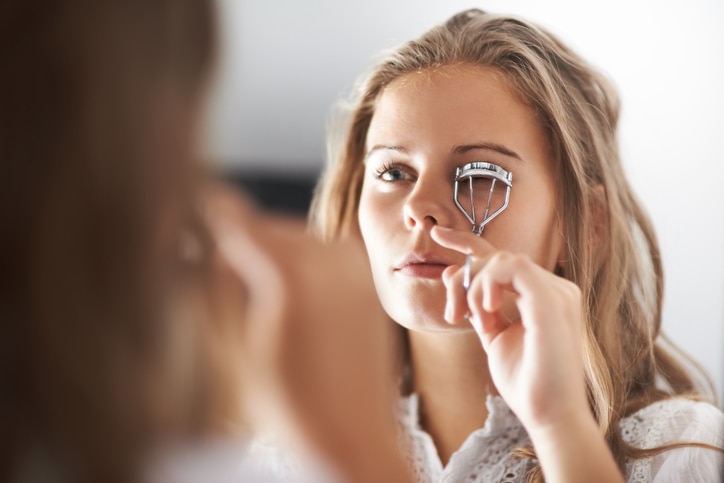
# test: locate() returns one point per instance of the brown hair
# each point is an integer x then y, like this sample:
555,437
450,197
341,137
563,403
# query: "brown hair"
100,102
602,220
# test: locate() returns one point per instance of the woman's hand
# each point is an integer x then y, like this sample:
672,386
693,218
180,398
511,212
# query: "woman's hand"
319,348
529,321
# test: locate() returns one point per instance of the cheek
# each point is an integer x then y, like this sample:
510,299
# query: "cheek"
531,226
374,213
364,217
373,231
371,223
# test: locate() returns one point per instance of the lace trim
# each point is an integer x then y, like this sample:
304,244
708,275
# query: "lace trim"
654,426
484,457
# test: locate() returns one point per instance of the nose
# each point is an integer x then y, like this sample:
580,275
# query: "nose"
429,203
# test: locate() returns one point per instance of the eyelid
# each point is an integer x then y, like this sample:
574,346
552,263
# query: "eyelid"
489,160
387,166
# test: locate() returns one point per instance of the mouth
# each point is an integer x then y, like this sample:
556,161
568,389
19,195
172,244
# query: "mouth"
422,270
422,266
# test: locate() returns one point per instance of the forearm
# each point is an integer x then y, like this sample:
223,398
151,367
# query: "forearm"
575,452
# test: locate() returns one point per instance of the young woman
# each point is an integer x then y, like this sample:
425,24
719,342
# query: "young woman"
533,350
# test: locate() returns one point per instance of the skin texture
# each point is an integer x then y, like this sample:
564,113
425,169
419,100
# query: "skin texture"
523,337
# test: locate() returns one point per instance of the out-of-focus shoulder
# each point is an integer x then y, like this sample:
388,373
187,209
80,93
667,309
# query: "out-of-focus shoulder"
673,420
676,420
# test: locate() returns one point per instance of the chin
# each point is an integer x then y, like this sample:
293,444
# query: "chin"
420,318
416,306
440,327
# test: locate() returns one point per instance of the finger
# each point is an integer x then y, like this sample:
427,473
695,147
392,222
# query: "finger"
245,242
510,274
491,325
461,241
487,324
467,271
456,307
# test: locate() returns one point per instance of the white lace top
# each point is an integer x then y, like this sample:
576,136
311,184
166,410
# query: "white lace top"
486,454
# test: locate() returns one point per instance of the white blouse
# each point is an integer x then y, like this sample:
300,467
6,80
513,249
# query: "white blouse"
485,456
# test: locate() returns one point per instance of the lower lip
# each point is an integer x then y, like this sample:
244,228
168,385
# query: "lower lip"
423,270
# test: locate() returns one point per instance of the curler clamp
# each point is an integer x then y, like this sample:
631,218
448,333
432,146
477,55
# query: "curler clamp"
478,178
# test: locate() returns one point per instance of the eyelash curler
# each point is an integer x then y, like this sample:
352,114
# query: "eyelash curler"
481,171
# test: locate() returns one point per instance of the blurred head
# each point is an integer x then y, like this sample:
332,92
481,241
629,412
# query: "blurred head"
101,101
608,246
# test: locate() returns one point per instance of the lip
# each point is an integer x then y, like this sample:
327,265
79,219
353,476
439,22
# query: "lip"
422,266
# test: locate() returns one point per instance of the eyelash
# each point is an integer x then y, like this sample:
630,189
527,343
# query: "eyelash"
387,167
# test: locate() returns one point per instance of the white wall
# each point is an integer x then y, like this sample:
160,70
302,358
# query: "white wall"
285,62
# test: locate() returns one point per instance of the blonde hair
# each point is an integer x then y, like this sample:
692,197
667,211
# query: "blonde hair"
611,250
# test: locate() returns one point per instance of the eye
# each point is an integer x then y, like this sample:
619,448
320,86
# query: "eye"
481,192
393,172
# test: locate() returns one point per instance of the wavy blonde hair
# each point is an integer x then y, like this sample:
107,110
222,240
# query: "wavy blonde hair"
611,251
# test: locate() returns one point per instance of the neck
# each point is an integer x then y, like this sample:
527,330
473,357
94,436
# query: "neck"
450,375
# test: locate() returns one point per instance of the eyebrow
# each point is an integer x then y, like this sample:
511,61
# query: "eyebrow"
462,149
381,147
498,148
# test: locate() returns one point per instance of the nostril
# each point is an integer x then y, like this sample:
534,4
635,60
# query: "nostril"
427,221
426,206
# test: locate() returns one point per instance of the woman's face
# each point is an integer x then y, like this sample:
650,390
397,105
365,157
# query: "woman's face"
424,126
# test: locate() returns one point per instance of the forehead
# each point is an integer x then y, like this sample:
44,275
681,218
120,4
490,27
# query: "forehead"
467,79
432,76
453,104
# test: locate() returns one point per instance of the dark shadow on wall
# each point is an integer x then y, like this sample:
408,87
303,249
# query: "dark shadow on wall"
289,194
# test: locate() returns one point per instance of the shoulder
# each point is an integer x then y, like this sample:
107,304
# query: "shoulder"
674,420
273,457
223,461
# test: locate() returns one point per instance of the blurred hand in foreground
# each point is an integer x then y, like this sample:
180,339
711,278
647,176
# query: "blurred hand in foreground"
319,349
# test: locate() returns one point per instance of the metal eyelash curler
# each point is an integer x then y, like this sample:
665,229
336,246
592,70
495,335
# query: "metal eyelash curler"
478,175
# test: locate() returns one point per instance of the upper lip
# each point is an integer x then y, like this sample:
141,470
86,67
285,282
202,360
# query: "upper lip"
416,258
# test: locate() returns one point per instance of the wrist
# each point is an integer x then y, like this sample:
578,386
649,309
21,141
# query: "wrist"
563,426
574,449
